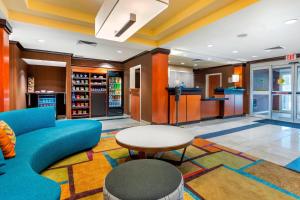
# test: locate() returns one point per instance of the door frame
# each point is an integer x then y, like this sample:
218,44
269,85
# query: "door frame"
293,79
207,82
269,92
295,90
132,83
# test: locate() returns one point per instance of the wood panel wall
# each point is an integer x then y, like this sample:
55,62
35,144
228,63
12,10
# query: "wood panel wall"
199,76
135,104
48,77
18,77
246,79
54,56
145,60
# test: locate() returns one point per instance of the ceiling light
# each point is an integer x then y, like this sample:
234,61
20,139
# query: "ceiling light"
291,21
195,65
105,65
210,45
175,52
117,20
235,51
268,50
209,59
119,51
182,63
41,40
254,56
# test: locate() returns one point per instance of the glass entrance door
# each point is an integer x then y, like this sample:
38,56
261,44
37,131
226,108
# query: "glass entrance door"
297,94
260,92
282,93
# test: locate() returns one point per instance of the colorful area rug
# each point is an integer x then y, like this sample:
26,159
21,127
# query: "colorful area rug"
210,171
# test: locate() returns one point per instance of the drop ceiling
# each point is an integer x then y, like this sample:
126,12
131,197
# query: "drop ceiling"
49,39
264,24
216,43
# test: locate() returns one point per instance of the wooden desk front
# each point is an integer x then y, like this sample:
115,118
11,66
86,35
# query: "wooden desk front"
189,107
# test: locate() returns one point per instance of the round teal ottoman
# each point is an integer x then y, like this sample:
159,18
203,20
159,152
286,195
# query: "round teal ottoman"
145,179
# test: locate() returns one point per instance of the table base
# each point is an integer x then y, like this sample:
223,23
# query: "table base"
144,155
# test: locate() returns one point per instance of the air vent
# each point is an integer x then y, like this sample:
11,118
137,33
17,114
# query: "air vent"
274,48
88,43
197,60
242,35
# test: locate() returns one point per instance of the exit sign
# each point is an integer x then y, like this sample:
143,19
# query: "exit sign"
291,57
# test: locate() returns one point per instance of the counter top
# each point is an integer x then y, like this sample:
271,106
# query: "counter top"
214,99
229,91
47,93
186,91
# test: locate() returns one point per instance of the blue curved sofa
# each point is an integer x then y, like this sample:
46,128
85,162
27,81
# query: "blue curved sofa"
41,141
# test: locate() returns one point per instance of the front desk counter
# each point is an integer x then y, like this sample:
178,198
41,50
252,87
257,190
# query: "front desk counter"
193,108
189,105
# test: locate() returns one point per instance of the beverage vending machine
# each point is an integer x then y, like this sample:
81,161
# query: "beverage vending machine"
115,93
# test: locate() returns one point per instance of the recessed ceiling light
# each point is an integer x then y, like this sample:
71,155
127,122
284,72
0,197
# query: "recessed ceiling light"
268,50
254,56
209,59
182,63
210,45
195,65
119,51
235,51
41,41
291,21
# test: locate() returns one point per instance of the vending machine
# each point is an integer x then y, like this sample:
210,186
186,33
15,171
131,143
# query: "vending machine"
115,93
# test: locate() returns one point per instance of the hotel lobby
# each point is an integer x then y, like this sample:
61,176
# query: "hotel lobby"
149,99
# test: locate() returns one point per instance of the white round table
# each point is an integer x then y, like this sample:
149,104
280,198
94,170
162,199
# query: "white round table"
154,139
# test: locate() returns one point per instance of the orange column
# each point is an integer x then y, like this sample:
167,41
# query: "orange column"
159,86
5,30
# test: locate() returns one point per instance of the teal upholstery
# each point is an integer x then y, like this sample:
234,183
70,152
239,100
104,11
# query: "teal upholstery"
39,148
23,121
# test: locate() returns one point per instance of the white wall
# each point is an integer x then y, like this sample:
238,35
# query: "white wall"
132,76
183,74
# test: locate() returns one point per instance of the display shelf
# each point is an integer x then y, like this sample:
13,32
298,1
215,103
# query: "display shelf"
99,92
80,107
78,78
98,79
80,100
80,84
83,91
80,115
93,84
80,95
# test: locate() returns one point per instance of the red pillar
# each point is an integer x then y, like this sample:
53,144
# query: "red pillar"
5,30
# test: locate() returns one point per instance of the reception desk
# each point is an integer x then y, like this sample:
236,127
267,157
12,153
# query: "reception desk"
189,105
234,105
192,107
211,107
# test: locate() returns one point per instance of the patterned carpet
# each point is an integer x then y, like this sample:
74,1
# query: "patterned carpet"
210,171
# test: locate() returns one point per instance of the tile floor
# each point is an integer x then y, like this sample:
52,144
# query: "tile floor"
276,144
